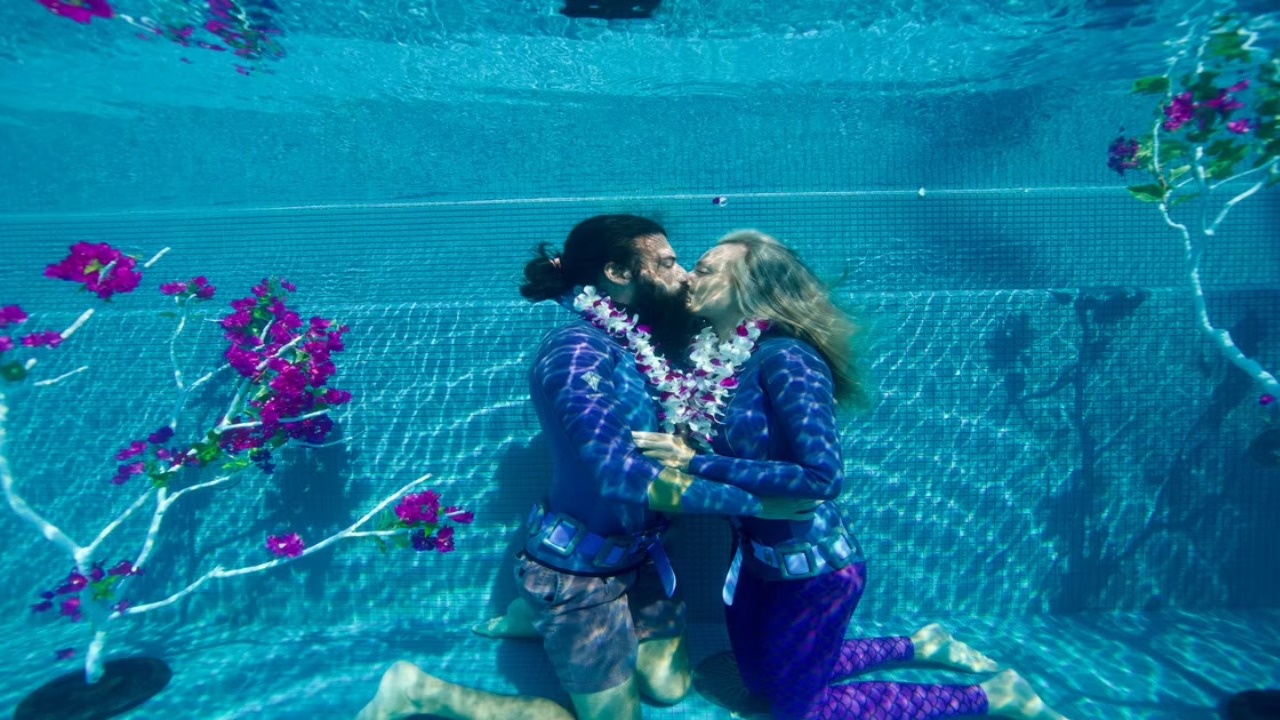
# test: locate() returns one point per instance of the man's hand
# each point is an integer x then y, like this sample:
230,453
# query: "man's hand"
785,508
670,450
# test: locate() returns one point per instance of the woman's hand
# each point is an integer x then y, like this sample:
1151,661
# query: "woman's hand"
670,450
785,508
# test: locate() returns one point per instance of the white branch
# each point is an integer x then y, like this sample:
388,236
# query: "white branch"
1230,204
1220,337
47,529
173,344
219,572
1265,166
86,554
61,377
84,317
157,256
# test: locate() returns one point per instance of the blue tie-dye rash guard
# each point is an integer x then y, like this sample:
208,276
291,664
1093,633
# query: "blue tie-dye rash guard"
589,396
779,437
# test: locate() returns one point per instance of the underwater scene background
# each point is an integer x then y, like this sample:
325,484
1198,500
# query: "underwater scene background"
1057,463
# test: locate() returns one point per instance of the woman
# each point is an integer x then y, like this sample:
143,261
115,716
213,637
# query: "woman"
771,365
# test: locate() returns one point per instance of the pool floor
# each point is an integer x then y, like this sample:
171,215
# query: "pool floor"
1150,666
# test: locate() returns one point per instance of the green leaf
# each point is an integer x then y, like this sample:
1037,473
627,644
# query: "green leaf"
1267,130
167,314
1170,149
1153,85
1182,199
1147,193
1178,172
13,371
1229,45
236,464
381,545
1222,168
1270,106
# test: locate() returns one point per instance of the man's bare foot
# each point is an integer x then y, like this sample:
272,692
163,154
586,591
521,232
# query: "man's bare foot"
517,623
404,691
1008,695
934,644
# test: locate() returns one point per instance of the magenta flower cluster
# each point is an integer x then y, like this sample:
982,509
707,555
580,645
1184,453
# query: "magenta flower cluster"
421,514
82,11
100,581
101,268
289,362
234,30
13,315
161,459
1122,153
197,287
1183,108
286,545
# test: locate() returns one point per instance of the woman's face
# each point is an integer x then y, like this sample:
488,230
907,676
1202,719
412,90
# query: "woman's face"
711,295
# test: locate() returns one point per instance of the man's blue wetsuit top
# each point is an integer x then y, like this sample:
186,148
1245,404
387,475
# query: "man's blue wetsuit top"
779,438
589,396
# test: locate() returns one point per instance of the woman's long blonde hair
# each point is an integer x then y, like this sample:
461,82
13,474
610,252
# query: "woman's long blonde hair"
773,283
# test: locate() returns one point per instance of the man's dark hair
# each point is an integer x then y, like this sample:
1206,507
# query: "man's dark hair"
592,244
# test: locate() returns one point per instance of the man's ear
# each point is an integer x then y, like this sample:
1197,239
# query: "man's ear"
617,274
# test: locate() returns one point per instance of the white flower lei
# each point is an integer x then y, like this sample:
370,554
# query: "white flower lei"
694,400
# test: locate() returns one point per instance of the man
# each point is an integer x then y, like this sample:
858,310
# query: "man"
593,577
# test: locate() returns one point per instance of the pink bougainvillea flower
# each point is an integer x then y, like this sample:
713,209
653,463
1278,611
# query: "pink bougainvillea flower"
82,11
6,343
42,606
444,540
334,396
52,338
285,545
288,285
1242,85
204,290
65,653
71,608
173,288
124,567
133,468
244,361
1179,111
97,573
1120,157
161,436
421,542
1266,399
135,448
419,507
237,319
1242,125
74,583
88,263
11,314
121,606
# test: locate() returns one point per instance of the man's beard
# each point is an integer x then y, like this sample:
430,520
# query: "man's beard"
671,325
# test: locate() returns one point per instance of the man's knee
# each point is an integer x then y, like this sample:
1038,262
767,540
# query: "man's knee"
621,702
663,667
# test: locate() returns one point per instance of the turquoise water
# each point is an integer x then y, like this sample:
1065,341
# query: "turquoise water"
1111,540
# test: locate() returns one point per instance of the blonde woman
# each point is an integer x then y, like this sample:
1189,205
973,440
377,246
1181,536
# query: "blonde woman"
773,362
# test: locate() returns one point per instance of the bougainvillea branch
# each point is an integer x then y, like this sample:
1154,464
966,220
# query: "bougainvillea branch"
280,396
1206,129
